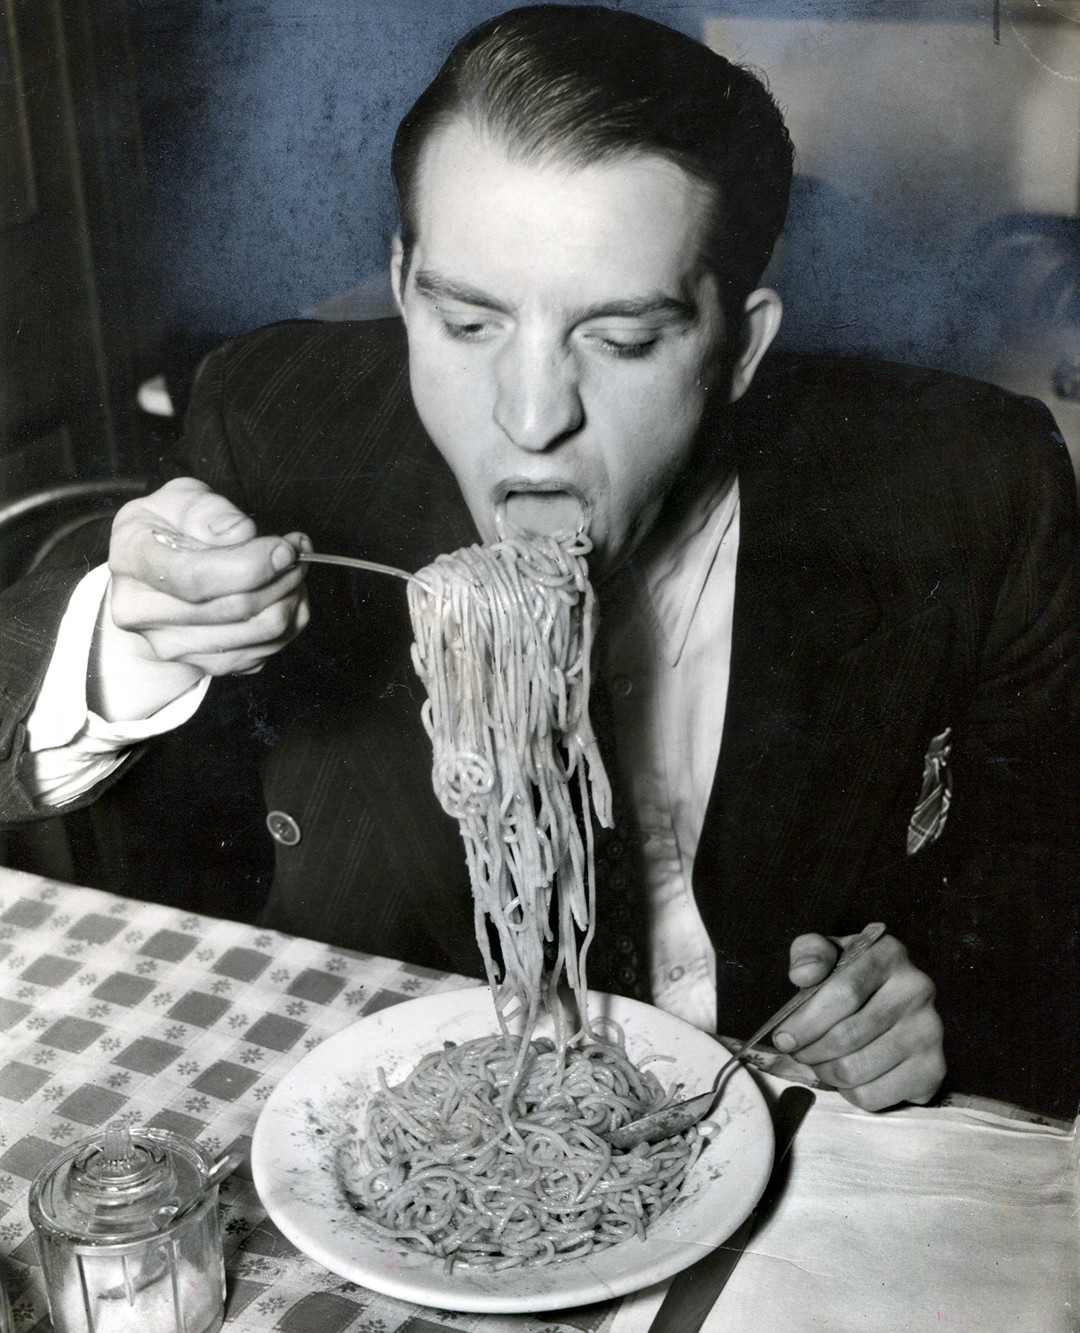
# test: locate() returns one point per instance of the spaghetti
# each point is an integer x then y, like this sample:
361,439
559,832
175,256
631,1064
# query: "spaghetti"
448,1169
492,1152
503,638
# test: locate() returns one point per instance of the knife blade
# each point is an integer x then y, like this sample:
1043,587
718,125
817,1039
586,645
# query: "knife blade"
693,1292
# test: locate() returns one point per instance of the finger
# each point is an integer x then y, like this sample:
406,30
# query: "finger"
916,1079
140,608
812,958
249,660
200,575
210,518
236,662
867,1057
842,995
904,996
247,663
273,627
191,512
194,544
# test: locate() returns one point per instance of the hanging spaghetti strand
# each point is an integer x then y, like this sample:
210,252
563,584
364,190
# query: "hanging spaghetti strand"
503,640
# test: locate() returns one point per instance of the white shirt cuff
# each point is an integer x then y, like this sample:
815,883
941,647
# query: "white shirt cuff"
69,748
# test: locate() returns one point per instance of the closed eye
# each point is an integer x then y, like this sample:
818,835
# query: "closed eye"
465,330
626,345
627,350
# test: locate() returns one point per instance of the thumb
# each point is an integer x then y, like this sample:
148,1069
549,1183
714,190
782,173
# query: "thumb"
811,960
190,516
213,519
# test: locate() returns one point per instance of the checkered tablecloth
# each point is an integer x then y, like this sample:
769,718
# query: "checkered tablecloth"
116,1009
960,1216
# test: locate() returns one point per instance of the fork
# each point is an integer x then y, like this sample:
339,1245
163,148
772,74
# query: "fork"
180,541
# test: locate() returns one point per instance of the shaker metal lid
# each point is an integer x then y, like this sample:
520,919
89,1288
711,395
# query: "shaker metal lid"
119,1186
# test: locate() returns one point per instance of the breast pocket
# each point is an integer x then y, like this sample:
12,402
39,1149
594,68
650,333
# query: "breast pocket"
927,821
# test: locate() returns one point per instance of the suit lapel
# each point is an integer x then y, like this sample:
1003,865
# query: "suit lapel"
821,746
354,765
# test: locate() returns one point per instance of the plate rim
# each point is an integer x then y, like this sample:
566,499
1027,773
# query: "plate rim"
465,1299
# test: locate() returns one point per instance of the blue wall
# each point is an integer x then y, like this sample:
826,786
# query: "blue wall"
268,129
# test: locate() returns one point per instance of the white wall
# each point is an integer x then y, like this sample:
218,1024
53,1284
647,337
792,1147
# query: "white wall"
927,115
915,129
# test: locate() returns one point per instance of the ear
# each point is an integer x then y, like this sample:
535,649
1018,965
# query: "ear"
397,270
761,320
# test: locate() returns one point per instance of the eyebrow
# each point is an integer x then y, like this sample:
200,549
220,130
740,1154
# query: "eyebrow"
437,287
446,289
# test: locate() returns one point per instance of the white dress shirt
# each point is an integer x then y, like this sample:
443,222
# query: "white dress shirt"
668,655
667,659
69,748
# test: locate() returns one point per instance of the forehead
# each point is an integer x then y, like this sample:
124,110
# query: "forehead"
636,219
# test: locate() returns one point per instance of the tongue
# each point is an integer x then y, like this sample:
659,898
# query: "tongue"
548,513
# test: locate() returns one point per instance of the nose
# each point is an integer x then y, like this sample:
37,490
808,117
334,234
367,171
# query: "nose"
538,398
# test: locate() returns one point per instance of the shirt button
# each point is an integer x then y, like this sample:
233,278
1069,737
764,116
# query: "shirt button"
622,687
613,850
283,828
676,974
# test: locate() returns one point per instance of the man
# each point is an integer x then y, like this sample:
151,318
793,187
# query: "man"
840,601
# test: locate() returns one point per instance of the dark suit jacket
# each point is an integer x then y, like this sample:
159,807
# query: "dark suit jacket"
907,564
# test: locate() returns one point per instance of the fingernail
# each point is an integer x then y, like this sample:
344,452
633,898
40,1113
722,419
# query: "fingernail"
784,1041
225,523
283,557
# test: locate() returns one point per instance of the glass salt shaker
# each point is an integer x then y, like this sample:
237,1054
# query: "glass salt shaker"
129,1234
7,1322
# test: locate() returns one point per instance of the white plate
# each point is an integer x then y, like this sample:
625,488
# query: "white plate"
316,1107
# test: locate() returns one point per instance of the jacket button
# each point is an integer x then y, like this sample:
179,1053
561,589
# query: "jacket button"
283,828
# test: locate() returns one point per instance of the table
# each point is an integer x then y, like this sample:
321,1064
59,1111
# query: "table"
952,1218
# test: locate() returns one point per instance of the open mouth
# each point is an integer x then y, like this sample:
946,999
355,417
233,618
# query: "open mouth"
553,509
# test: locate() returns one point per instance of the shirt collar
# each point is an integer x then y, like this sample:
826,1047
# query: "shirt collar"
671,569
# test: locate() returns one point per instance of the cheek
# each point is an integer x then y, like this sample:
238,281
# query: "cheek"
653,429
447,405
646,459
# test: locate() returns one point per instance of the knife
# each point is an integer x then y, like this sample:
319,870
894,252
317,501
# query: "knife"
693,1292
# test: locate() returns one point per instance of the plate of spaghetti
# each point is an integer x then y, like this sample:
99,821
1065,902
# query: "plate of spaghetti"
534,1214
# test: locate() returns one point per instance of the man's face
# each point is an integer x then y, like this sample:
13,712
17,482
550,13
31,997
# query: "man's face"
564,334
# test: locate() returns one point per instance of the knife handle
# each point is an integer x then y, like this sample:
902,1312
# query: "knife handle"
694,1291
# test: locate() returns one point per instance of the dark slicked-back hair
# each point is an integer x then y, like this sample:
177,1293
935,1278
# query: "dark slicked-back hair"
584,84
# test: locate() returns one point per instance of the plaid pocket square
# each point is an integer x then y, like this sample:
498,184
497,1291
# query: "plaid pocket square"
932,808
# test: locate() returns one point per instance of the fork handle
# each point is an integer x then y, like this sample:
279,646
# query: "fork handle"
180,541
352,562
866,937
